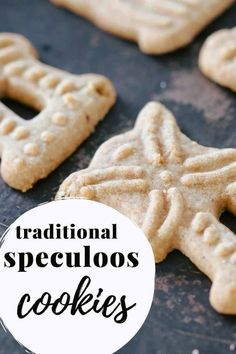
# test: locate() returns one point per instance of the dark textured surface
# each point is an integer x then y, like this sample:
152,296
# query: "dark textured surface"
181,319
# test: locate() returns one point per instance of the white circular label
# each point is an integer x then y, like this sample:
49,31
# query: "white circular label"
76,277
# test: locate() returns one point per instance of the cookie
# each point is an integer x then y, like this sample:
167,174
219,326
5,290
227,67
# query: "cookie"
217,58
70,106
174,189
159,26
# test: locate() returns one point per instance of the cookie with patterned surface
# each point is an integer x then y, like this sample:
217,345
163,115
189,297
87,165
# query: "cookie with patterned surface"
174,189
159,26
70,106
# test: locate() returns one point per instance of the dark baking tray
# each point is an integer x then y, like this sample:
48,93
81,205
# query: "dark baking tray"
181,318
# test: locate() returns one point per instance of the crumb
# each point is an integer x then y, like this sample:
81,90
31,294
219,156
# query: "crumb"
195,351
163,85
232,347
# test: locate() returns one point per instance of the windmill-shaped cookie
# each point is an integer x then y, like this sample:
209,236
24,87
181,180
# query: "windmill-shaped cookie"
70,106
159,26
174,189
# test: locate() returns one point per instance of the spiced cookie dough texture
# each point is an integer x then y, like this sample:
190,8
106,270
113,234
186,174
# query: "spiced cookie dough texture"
218,58
158,26
174,189
70,106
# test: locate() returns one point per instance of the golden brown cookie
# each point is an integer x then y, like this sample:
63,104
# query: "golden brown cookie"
174,189
159,26
70,106
218,58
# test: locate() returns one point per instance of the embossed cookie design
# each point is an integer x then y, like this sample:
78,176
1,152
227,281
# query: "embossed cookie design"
159,26
174,189
70,106
218,58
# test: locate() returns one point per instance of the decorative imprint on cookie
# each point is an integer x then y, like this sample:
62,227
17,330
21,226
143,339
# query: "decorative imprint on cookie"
47,136
15,68
123,152
211,235
50,81
31,149
21,133
174,189
59,128
66,86
225,249
7,126
34,73
166,176
91,89
71,101
200,222
59,119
